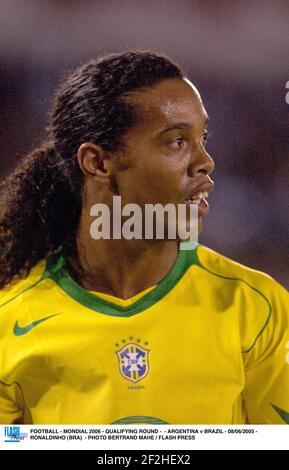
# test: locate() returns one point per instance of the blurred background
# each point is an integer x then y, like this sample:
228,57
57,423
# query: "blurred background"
237,54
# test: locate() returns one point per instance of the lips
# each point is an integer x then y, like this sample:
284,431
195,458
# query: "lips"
196,199
198,196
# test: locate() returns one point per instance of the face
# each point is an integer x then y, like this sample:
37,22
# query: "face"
166,150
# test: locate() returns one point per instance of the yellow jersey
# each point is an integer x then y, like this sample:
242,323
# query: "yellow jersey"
208,345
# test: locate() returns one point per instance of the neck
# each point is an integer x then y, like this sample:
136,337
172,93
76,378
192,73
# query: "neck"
121,268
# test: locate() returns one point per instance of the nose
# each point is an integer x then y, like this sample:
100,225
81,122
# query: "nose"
203,164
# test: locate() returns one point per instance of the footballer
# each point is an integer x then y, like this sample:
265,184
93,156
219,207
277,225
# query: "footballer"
129,331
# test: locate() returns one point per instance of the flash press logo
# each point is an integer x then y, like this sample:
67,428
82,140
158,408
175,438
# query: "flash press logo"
13,434
287,94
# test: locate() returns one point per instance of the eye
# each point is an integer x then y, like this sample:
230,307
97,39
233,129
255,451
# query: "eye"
205,138
177,144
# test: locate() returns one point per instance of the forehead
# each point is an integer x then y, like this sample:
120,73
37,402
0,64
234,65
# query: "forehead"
169,102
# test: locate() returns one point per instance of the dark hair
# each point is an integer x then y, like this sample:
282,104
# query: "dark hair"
41,201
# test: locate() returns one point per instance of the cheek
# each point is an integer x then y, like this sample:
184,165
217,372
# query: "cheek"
176,180
155,179
167,181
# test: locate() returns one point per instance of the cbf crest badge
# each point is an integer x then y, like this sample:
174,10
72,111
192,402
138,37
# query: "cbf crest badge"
133,362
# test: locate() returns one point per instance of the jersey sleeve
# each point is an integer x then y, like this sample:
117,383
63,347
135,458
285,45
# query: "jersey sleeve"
266,393
9,412
11,395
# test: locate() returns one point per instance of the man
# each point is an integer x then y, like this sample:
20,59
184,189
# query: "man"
130,331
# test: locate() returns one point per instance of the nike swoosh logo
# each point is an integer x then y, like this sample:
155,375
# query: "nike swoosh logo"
22,330
282,413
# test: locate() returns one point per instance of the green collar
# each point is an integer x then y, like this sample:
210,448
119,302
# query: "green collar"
56,270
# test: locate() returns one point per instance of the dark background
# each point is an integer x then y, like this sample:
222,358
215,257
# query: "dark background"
237,54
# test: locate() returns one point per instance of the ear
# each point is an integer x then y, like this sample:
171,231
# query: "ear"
94,162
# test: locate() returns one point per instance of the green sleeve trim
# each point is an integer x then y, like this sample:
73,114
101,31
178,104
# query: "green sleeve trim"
23,398
56,269
282,413
251,287
43,276
140,420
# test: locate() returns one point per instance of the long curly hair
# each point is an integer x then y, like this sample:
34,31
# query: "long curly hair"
41,200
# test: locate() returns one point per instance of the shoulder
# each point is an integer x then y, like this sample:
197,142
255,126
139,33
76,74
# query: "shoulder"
225,268
260,302
18,291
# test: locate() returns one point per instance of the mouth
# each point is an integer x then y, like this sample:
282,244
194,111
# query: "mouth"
200,198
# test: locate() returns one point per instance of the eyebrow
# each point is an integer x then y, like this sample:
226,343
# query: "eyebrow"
181,125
